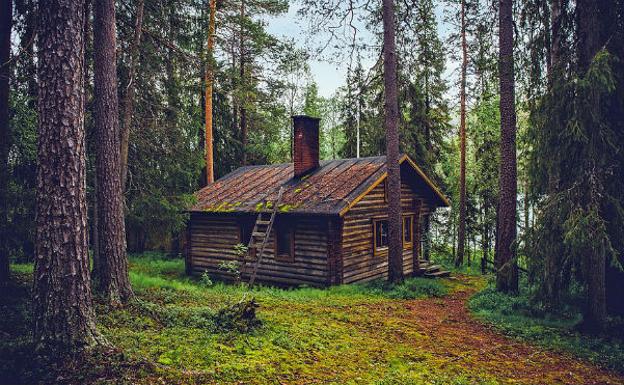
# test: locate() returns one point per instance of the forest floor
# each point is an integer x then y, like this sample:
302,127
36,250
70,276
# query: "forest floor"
421,332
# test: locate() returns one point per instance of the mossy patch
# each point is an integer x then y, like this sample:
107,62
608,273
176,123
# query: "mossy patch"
373,333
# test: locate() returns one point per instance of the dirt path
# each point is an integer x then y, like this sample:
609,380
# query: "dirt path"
457,338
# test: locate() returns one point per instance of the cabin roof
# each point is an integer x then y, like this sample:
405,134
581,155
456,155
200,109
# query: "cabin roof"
332,188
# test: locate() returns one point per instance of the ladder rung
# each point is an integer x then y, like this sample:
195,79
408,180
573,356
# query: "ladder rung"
258,234
263,222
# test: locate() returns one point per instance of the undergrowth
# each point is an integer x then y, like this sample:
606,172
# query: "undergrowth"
520,317
183,330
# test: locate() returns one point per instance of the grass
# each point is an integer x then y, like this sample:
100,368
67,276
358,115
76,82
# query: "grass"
177,332
305,334
519,317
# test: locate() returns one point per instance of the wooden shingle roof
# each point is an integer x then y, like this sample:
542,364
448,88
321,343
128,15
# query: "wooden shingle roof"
334,186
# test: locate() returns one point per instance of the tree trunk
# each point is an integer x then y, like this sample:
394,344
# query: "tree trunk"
128,101
209,82
242,85
507,274
555,36
461,233
594,29
63,315
6,21
391,123
485,236
112,273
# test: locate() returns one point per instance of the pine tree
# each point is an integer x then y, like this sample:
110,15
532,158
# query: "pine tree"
6,20
111,276
507,274
461,232
391,107
62,309
210,46
130,91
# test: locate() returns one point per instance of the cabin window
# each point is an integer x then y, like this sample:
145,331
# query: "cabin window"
244,236
408,223
380,229
381,235
284,243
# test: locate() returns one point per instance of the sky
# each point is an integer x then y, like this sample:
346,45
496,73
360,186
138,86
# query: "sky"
329,76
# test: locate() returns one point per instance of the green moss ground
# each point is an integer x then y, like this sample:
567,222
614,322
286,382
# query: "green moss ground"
353,334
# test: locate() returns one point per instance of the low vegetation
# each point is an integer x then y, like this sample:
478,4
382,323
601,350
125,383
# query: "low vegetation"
519,316
183,330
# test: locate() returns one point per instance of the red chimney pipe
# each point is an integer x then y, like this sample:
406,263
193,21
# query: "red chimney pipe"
306,144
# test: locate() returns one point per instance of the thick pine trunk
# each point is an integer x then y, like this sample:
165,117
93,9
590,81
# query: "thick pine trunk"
391,123
461,232
593,30
507,275
6,19
112,272
128,101
62,309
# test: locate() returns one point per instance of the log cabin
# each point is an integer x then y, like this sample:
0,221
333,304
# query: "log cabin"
330,225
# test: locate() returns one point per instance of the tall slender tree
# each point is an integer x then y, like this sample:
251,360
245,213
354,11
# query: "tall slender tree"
209,83
62,307
391,123
461,231
129,95
112,279
506,264
6,20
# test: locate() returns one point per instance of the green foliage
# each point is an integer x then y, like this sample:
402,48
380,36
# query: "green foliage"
22,176
180,331
205,279
577,178
232,268
521,317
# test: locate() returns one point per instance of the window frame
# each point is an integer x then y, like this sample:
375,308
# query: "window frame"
383,250
379,250
278,229
244,231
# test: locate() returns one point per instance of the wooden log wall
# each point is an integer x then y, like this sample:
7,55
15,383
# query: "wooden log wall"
358,261
212,241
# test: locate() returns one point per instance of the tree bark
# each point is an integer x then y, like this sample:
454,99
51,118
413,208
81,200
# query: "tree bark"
243,110
595,27
461,232
209,82
507,269
63,315
6,21
112,281
128,101
556,8
391,123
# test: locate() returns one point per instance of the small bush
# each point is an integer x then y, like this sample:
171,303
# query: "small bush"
239,317
205,279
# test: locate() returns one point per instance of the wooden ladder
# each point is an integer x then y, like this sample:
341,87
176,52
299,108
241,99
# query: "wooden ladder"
260,235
